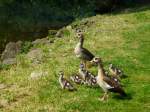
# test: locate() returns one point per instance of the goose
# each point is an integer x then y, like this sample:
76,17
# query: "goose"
92,81
106,73
65,84
87,76
116,72
112,77
83,72
105,82
81,52
77,79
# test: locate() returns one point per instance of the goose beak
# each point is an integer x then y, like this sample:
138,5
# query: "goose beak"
92,62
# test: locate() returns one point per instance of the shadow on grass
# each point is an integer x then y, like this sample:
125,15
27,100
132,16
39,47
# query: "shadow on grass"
124,76
127,97
128,10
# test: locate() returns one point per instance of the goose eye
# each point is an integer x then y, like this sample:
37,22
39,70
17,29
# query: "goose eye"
78,31
67,84
79,34
77,77
96,58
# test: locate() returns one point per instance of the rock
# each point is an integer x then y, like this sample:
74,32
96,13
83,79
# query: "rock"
69,27
41,41
9,61
60,33
10,52
2,86
3,103
37,74
35,55
52,32
52,40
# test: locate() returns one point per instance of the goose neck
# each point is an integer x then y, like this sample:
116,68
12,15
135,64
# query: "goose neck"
100,70
81,42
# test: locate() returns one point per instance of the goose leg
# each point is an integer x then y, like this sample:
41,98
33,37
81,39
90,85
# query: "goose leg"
102,98
105,96
85,64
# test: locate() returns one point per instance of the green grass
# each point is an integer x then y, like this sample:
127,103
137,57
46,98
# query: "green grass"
123,39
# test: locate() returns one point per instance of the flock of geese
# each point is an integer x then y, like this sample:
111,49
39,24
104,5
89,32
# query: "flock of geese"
108,83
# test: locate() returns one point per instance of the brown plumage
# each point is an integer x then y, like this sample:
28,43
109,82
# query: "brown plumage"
87,76
92,81
81,52
116,86
113,77
77,79
65,84
116,72
106,83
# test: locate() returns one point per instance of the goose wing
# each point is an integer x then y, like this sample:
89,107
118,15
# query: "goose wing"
115,86
87,54
77,79
111,82
68,85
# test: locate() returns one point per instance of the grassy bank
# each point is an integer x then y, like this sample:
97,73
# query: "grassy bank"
122,39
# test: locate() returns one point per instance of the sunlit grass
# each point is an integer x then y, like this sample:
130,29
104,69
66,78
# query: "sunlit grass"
122,39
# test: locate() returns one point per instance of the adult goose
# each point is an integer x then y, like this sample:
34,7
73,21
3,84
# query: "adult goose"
65,84
81,52
106,83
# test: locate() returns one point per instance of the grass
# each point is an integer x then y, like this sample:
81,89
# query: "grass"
122,39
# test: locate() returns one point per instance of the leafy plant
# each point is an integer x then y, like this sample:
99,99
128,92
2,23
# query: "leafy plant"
4,66
26,47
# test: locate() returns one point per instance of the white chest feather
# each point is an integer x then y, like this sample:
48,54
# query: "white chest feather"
77,50
103,84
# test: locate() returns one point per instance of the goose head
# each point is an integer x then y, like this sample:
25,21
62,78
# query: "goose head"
78,30
96,60
80,36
